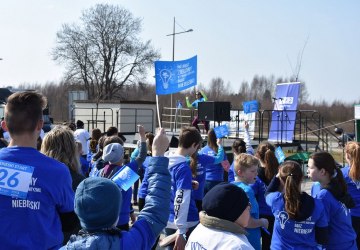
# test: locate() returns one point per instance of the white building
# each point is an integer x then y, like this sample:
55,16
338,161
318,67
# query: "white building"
125,115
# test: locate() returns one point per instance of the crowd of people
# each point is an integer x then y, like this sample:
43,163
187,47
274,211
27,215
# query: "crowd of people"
57,191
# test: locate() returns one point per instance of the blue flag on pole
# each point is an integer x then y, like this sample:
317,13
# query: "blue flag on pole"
279,153
221,131
175,76
251,106
125,178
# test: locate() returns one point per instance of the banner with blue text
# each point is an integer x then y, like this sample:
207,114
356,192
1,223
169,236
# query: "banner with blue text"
175,76
284,114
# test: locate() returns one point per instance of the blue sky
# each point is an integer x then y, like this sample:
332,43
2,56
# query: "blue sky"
233,40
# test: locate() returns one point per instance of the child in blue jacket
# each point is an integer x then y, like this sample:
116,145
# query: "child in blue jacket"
184,215
246,167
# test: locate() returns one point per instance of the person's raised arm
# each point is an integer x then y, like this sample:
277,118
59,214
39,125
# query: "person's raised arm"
142,149
156,210
220,154
134,154
274,185
203,95
154,216
249,148
188,104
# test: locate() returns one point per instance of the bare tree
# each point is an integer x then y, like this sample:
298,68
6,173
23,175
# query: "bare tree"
244,91
217,89
104,51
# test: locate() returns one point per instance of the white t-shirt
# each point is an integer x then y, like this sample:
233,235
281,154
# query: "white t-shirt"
82,136
7,136
207,238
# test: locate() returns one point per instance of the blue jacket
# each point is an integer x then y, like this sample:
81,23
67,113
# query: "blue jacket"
152,219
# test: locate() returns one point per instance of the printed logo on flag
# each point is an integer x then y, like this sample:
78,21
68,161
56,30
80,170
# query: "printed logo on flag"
174,76
125,178
251,106
279,153
221,131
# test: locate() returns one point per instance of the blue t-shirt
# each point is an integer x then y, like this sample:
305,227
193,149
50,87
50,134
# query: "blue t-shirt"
341,232
142,192
181,179
291,234
84,166
259,188
214,172
231,173
354,191
195,103
34,222
126,198
254,233
124,215
203,161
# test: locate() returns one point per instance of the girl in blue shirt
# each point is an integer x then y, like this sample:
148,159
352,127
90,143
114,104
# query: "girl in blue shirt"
331,189
198,165
352,178
214,172
268,168
300,221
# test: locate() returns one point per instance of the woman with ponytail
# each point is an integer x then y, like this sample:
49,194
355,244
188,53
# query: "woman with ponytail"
351,174
268,168
332,190
300,219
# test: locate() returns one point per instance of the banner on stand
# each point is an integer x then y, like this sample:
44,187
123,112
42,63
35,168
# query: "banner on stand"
283,116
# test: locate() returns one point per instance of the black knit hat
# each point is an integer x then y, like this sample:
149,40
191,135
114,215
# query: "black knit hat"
225,201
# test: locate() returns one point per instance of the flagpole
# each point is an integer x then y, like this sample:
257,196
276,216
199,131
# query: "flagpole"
171,95
157,108
173,58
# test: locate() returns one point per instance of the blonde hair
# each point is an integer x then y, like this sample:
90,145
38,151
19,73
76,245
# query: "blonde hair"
244,161
352,149
59,143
